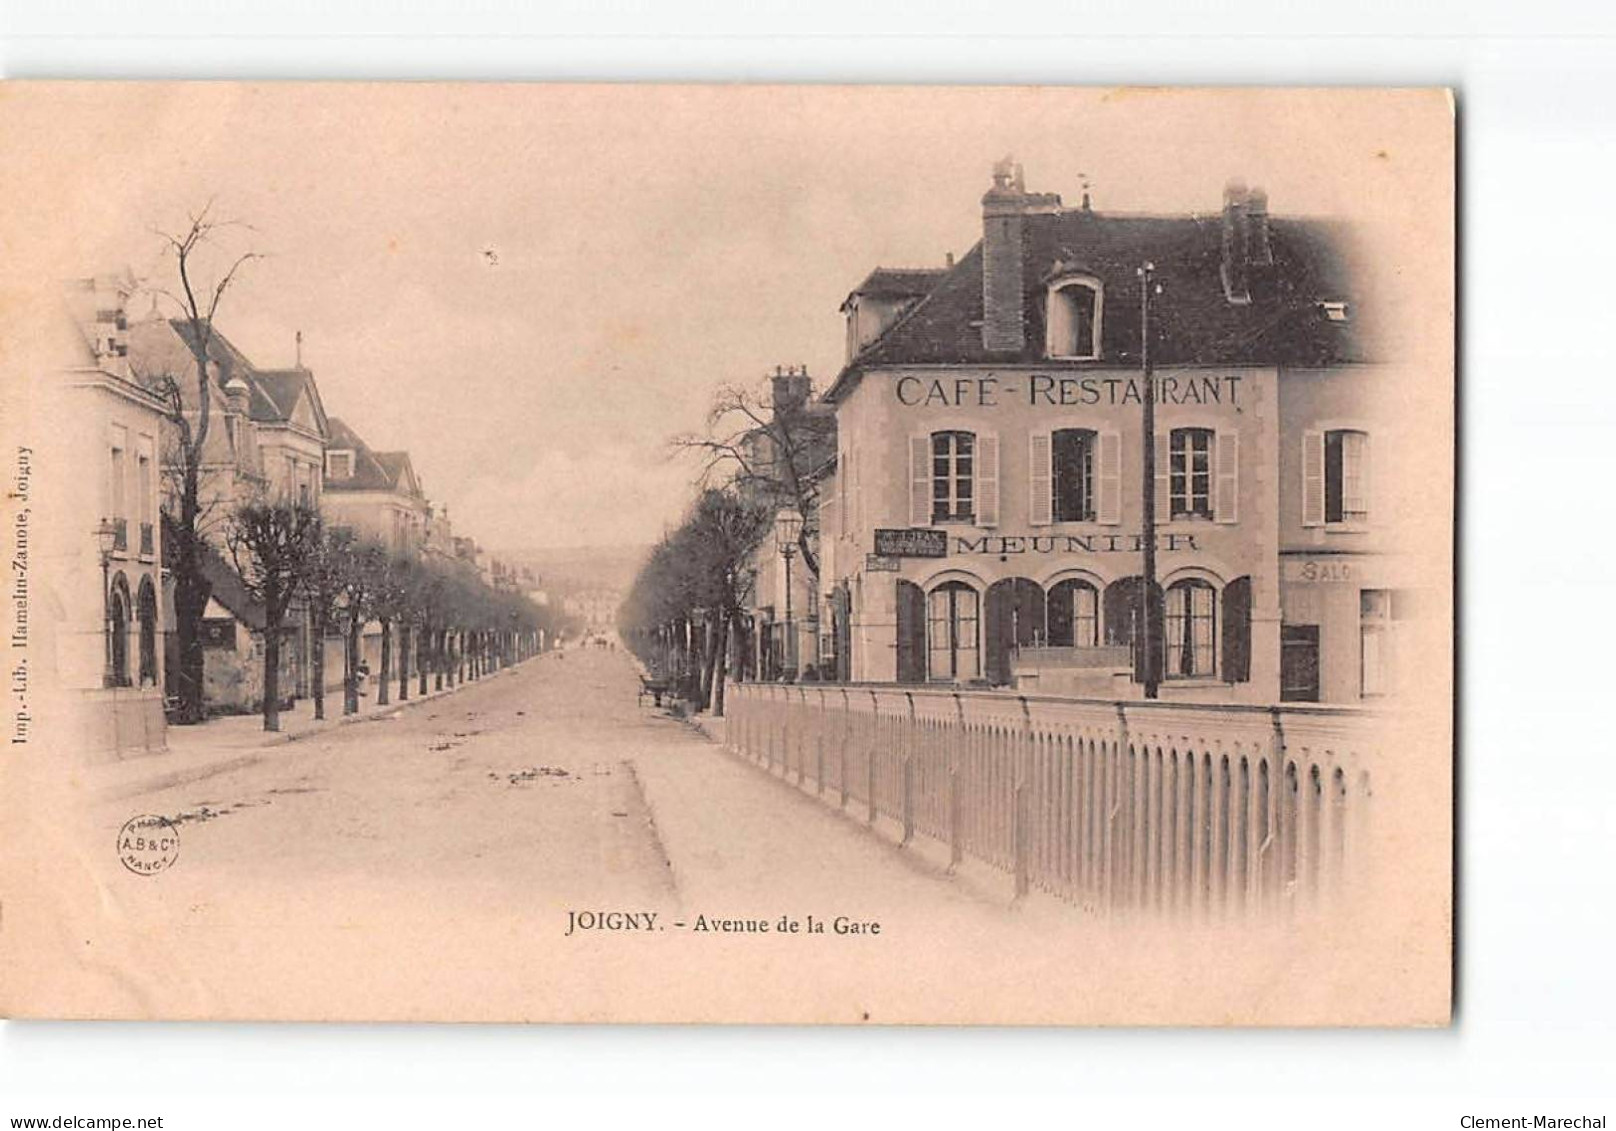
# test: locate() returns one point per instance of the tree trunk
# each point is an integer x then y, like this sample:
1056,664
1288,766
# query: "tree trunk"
709,666
191,593
272,675
384,681
319,667
406,634
722,651
350,697
425,658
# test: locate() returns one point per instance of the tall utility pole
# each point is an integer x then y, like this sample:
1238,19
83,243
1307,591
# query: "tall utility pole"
1150,628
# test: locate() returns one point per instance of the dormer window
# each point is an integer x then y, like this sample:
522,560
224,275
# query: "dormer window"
1075,304
339,465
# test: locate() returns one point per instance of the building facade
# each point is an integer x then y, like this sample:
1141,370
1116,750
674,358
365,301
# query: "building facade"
105,573
267,431
376,494
983,522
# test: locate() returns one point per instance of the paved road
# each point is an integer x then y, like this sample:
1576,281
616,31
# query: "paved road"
428,865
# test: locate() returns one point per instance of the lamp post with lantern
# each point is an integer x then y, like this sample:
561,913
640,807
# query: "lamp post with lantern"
106,535
787,531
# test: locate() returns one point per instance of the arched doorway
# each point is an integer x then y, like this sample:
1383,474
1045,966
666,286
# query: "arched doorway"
146,614
1073,616
118,633
1124,615
953,632
1015,618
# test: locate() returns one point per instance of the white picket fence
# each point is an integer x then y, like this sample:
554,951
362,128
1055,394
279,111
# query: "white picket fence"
1193,809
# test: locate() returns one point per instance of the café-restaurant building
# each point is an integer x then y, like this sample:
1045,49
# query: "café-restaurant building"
983,523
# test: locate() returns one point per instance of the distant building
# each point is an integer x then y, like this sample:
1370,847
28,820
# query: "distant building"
374,493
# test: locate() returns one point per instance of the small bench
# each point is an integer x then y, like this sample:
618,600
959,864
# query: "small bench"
654,687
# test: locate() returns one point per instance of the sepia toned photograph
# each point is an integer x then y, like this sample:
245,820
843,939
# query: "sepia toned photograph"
728,554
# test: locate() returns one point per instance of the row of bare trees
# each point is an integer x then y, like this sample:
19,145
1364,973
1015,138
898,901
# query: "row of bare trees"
760,453
684,613
441,620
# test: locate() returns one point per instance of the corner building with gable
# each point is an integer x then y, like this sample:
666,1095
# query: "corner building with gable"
982,525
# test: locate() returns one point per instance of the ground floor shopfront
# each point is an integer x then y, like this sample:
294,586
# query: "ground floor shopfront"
1310,628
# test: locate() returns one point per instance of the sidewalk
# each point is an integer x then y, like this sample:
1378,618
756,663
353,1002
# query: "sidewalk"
230,742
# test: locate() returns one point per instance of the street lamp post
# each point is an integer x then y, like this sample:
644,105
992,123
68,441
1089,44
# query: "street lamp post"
787,530
105,536
1150,623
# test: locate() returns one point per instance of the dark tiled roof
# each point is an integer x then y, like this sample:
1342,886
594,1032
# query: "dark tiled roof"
900,282
1193,319
373,470
221,352
275,393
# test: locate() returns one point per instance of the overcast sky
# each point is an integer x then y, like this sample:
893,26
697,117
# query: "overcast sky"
532,288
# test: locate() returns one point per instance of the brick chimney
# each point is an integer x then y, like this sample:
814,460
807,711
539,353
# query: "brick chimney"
790,389
1005,208
1247,252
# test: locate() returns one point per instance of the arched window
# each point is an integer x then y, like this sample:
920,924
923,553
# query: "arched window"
953,650
953,476
146,613
1191,624
1074,615
1072,452
118,633
1074,319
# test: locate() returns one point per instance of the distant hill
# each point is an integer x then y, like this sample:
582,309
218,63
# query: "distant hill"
568,569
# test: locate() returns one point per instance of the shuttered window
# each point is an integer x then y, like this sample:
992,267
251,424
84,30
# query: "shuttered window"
1072,474
1189,472
1346,476
954,477
1108,508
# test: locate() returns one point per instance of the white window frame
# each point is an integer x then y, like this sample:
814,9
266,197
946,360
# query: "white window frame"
1053,345
1315,502
1189,473
954,478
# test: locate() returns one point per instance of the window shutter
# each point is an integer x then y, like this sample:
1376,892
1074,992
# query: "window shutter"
1040,502
1237,630
1312,478
1164,500
1226,504
1365,481
1108,508
920,481
987,479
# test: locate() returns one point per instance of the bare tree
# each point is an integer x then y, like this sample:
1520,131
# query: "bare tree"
358,605
198,303
769,452
693,589
324,586
271,547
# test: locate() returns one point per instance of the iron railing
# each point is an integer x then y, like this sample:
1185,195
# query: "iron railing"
1169,808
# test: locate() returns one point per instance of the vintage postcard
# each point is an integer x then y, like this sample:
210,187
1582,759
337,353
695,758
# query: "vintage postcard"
847,555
